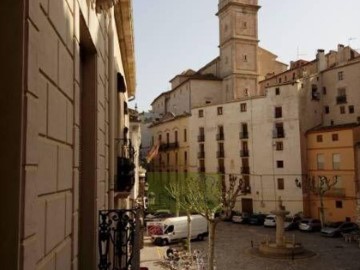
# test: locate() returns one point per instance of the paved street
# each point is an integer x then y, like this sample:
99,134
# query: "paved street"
233,251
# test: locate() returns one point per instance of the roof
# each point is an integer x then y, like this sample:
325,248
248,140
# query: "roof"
168,118
333,128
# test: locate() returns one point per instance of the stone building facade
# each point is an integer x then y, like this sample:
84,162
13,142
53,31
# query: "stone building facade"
70,73
255,124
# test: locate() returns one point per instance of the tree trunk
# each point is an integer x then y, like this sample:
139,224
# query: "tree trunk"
322,214
189,232
177,206
211,246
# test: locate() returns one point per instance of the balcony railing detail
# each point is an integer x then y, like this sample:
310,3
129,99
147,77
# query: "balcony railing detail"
246,189
118,239
341,99
244,153
201,138
125,166
244,135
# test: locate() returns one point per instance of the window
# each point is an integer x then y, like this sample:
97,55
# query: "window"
167,138
279,80
277,91
324,90
279,146
278,112
319,138
159,138
176,159
185,158
338,204
185,135
340,75
320,161
246,92
280,183
351,109
336,161
201,113
245,58
168,159
335,137
219,110
242,107
342,109
176,136
280,164
293,76
326,109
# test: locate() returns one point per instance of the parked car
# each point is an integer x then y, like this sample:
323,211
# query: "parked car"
257,219
310,224
292,222
242,218
335,229
270,221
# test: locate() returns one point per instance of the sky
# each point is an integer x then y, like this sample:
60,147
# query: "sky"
175,35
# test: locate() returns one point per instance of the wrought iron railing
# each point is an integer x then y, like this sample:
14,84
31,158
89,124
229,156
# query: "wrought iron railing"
118,242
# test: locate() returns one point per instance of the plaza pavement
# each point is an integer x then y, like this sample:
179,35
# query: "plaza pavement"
233,251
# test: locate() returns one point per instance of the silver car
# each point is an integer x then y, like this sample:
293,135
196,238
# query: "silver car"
310,225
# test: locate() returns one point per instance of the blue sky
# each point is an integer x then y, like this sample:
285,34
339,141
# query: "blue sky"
174,35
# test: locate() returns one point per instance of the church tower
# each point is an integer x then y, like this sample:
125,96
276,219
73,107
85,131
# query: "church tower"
238,23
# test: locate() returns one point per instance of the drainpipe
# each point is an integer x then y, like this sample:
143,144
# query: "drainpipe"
112,115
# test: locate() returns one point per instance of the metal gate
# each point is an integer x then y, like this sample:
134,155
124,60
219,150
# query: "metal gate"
119,247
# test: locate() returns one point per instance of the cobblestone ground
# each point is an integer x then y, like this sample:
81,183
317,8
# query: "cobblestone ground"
233,251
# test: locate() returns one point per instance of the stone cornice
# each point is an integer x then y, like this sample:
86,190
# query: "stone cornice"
228,4
124,26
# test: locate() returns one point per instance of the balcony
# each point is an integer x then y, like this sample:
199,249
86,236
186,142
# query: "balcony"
341,99
125,175
201,138
245,170
244,153
244,135
201,154
278,133
168,146
220,154
220,136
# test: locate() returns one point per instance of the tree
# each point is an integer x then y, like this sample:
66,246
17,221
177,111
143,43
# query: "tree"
177,191
203,196
230,193
320,188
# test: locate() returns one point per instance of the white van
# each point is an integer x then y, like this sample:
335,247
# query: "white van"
176,228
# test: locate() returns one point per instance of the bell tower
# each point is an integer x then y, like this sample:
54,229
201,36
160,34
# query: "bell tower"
238,22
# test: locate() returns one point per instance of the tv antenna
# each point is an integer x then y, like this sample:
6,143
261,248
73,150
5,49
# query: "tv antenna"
298,54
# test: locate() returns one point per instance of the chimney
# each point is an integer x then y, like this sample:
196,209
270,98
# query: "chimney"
321,60
340,57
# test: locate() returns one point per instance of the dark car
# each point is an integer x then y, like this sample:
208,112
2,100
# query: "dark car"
291,223
257,219
310,225
335,229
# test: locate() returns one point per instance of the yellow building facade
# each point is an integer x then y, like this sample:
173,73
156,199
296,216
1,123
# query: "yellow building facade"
333,152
